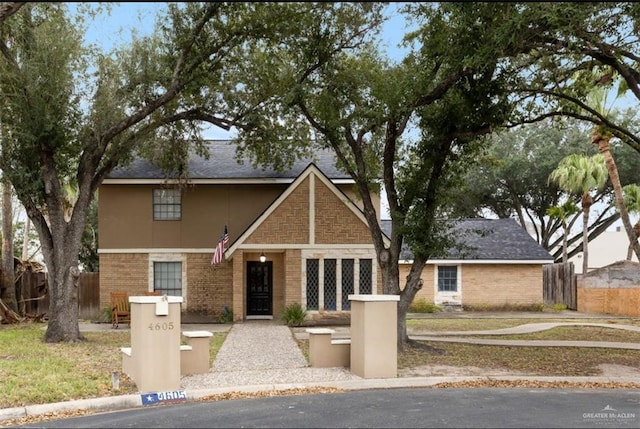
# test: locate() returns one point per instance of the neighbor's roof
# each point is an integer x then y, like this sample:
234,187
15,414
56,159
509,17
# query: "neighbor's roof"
488,239
222,165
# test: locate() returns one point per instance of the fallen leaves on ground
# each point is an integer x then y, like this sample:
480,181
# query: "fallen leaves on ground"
55,415
537,384
268,393
58,415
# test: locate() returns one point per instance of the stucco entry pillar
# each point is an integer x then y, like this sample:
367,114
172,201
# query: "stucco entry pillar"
374,335
155,342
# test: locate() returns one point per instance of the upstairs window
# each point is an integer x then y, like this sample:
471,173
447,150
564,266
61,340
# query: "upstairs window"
167,204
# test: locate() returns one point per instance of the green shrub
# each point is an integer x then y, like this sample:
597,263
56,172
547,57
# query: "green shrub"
559,307
536,307
294,314
421,305
226,316
105,315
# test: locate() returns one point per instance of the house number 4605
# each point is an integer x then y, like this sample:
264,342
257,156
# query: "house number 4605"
161,326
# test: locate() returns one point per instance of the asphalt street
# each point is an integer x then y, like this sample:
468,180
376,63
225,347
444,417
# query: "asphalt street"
388,408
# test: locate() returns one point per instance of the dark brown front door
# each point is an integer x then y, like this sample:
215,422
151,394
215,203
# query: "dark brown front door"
259,288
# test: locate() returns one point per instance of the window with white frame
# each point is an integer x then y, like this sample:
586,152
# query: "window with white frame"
167,204
447,278
167,278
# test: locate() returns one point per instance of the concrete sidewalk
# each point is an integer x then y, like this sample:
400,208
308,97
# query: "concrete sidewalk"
244,336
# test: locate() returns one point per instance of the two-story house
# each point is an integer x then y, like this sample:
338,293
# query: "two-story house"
297,236
294,237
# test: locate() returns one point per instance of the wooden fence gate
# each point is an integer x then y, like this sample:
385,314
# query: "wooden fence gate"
559,285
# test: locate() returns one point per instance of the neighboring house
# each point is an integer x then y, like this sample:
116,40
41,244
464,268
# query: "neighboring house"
499,264
607,248
306,222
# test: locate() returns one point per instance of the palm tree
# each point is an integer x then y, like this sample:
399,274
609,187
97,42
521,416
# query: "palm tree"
631,198
563,213
601,138
580,174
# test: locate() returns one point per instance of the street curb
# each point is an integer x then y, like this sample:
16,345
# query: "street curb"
112,403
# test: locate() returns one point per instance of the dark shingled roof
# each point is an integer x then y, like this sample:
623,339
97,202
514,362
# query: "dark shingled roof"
222,164
488,239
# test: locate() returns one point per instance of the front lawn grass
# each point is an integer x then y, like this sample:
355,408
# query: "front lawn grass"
35,372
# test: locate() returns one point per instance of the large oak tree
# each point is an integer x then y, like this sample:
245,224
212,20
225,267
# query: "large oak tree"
417,124
71,113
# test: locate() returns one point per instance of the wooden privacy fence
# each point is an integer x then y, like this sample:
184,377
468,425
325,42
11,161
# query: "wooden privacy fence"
89,296
35,296
559,285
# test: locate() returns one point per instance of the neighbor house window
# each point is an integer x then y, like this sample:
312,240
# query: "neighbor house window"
167,204
447,279
167,278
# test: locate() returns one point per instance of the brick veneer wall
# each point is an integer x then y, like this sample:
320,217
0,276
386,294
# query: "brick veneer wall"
208,286
123,272
288,223
427,291
293,277
279,283
501,284
335,223
490,284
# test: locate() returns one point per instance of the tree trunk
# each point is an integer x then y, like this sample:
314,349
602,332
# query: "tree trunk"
7,248
564,242
601,141
411,288
586,205
63,304
60,242
636,231
25,240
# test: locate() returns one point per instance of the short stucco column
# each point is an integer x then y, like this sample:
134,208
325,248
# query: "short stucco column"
155,342
374,345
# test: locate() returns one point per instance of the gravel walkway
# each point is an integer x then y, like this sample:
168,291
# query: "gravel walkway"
261,352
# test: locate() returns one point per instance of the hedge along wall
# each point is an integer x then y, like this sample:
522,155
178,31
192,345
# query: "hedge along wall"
614,289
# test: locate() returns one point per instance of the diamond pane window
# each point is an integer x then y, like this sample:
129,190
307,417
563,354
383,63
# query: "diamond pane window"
347,283
330,284
365,277
313,282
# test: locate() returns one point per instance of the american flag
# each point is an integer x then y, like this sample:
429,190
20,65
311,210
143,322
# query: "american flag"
217,255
